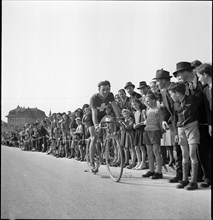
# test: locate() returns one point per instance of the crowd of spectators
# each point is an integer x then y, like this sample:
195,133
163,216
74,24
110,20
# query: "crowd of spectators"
66,134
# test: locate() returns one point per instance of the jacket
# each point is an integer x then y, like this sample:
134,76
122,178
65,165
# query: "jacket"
187,110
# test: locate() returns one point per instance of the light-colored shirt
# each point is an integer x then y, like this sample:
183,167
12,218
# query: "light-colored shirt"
154,119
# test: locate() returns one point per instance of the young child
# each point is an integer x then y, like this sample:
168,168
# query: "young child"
78,134
152,136
127,138
188,132
139,128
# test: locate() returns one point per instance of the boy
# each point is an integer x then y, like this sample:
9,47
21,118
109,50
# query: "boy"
188,132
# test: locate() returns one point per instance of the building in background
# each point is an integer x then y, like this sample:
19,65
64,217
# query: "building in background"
21,115
3,125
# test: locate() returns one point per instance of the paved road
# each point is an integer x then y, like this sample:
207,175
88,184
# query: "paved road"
38,186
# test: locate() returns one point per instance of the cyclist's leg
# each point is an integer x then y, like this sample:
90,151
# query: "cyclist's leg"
93,141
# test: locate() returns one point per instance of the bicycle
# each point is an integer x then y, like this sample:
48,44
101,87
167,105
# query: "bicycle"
112,151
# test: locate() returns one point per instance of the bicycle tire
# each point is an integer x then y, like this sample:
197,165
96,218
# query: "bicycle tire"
112,144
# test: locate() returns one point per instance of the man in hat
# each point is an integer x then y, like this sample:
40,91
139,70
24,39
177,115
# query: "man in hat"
184,72
144,89
129,87
125,100
163,80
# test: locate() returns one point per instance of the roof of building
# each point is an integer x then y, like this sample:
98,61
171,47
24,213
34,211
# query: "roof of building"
26,112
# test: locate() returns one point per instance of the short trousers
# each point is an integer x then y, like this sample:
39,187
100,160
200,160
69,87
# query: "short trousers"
152,137
138,139
189,135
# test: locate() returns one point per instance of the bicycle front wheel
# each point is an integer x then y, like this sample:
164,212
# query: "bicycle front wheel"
114,158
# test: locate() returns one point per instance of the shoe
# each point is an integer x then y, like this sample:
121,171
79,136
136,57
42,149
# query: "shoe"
199,180
192,186
205,185
148,174
139,168
175,179
130,166
94,169
157,176
114,164
135,168
126,164
182,184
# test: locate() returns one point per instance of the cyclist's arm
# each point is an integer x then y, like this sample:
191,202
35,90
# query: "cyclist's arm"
94,116
116,109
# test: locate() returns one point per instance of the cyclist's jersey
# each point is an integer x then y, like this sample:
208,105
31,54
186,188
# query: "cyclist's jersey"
100,104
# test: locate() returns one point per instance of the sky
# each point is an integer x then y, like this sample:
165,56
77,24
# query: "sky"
54,53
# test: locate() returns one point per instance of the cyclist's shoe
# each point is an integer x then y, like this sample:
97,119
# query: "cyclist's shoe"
95,170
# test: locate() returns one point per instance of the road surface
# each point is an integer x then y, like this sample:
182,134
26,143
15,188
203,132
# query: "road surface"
39,186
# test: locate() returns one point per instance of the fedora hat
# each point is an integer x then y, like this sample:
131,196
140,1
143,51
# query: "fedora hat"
162,74
142,84
182,66
129,84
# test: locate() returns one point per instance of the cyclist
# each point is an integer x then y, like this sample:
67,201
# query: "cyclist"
98,104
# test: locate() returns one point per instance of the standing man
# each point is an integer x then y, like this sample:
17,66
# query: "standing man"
125,101
163,81
144,89
98,103
184,73
129,87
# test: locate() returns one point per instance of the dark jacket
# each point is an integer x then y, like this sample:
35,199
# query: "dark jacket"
197,90
208,104
187,110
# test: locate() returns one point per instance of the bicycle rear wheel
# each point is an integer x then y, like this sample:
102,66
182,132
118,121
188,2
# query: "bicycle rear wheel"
114,158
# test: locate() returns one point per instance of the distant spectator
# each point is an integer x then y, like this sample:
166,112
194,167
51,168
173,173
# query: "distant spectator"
144,89
129,87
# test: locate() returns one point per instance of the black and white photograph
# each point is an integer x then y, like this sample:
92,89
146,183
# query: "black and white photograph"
106,109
